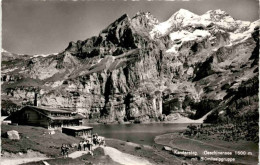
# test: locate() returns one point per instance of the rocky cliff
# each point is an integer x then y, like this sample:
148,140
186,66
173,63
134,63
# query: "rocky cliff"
140,69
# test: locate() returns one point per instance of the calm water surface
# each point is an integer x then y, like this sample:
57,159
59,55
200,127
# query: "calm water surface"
137,133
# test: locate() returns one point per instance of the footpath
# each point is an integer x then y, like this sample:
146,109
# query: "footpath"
114,154
124,158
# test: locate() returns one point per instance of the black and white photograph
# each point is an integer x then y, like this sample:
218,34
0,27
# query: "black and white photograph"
129,82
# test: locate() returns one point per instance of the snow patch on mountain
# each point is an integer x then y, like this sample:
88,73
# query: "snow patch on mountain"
184,36
9,70
187,36
44,55
3,50
9,53
236,37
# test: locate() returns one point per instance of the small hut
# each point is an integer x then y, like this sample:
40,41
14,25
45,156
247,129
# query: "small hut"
78,131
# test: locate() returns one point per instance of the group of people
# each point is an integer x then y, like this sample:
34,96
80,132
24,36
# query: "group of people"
85,145
98,140
65,150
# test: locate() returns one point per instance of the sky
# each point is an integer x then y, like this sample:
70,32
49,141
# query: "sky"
42,27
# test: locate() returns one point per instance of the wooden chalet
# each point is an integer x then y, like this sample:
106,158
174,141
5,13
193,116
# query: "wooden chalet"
46,117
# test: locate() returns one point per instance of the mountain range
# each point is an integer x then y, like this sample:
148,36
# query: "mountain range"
144,70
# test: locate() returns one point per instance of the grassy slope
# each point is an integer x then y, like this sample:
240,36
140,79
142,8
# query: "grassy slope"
38,139
35,138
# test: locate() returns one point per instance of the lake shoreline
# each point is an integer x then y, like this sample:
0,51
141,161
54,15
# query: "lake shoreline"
184,120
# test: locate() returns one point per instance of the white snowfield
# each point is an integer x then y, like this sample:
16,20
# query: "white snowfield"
241,37
185,36
184,18
182,119
124,158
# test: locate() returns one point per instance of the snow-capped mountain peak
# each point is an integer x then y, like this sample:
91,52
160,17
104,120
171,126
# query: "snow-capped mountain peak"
144,19
183,14
179,17
184,19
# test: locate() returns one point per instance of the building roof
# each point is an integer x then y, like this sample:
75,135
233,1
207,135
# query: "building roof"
64,117
78,128
41,111
74,117
49,109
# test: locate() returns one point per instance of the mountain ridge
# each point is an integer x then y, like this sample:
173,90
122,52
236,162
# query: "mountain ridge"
133,71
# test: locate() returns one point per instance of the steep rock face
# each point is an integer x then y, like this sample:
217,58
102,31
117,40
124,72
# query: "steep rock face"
140,69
